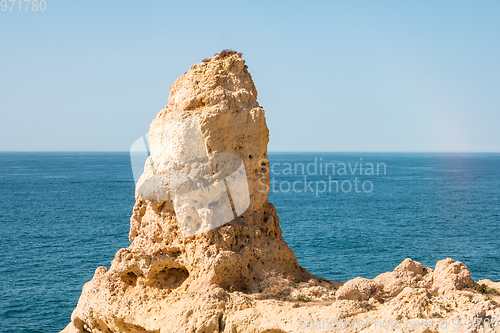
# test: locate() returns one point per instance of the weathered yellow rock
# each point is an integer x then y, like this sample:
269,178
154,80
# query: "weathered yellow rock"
241,276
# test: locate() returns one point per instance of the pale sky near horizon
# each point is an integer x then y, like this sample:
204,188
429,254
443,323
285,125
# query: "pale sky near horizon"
382,76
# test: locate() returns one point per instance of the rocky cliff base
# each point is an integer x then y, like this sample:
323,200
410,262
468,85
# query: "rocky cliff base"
412,298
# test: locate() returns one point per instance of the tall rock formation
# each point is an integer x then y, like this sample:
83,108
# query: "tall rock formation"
206,252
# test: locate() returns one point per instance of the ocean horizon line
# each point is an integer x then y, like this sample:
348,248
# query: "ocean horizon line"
272,152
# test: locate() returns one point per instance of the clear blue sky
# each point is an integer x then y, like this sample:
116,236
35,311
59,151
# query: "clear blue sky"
332,76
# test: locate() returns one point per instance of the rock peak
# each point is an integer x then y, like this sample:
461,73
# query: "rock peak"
222,79
223,54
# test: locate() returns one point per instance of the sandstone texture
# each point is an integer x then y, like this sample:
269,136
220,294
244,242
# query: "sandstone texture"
241,276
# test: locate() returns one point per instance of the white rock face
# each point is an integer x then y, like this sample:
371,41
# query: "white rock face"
199,185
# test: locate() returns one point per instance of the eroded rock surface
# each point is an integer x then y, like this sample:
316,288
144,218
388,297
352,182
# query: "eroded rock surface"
241,276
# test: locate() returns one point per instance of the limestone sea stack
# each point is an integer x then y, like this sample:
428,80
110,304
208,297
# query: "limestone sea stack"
207,254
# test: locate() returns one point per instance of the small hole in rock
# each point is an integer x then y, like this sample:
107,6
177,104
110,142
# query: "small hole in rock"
130,278
169,278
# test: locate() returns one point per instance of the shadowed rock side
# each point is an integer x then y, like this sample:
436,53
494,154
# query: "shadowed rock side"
242,276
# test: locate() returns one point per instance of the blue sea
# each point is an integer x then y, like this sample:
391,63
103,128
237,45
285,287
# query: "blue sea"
64,214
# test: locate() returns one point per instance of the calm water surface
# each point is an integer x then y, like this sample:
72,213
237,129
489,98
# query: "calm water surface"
64,214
